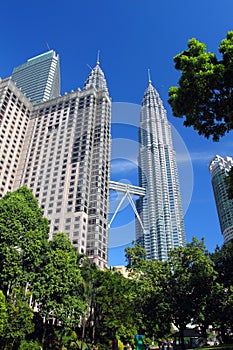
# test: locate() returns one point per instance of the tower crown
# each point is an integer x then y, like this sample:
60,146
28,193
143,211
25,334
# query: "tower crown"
151,96
96,79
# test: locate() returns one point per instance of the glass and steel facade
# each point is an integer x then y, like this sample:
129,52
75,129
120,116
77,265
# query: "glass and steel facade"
160,210
39,77
219,168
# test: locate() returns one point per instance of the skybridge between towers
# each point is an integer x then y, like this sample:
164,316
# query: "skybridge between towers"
128,191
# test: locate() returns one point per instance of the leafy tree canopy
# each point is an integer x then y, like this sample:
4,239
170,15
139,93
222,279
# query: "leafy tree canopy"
59,285
150,279
205,92
190,268
135,257
223,260
3,312
18,321
23,238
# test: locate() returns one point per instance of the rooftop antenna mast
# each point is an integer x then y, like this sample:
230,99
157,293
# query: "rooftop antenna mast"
89,66
98,57
149,79
48,46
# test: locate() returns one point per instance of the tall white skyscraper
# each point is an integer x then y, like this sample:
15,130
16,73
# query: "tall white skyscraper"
219,168
60,149
160,210
39,77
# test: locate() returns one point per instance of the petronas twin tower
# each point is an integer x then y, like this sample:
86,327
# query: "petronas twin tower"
160,210
63,154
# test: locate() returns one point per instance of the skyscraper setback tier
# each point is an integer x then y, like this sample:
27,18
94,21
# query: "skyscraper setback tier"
160,210
39,77
64,159
219,168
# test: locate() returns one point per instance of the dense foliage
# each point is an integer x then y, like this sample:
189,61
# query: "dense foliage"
52,298
205,92
40,280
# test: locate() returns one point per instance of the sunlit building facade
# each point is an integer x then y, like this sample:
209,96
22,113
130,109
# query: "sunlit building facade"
219,168
161,209
15,111
62,153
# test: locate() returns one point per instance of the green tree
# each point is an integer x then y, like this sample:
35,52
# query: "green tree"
190,281
223,303
18,322
59,288
23,243
23,239
110,308
152,312
225,317
205,92
223,262
135,257
220,310
3,312
29,344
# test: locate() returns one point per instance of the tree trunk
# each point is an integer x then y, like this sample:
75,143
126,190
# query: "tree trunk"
204,333
182,338
43,336
83,332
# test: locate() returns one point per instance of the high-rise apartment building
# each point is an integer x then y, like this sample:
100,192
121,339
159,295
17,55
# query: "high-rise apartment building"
39,77
60,149
160,210
219,168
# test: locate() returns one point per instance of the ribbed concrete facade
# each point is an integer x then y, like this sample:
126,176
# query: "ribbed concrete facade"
219,168
160,210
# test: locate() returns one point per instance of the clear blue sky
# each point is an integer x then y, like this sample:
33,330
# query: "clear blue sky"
132,36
